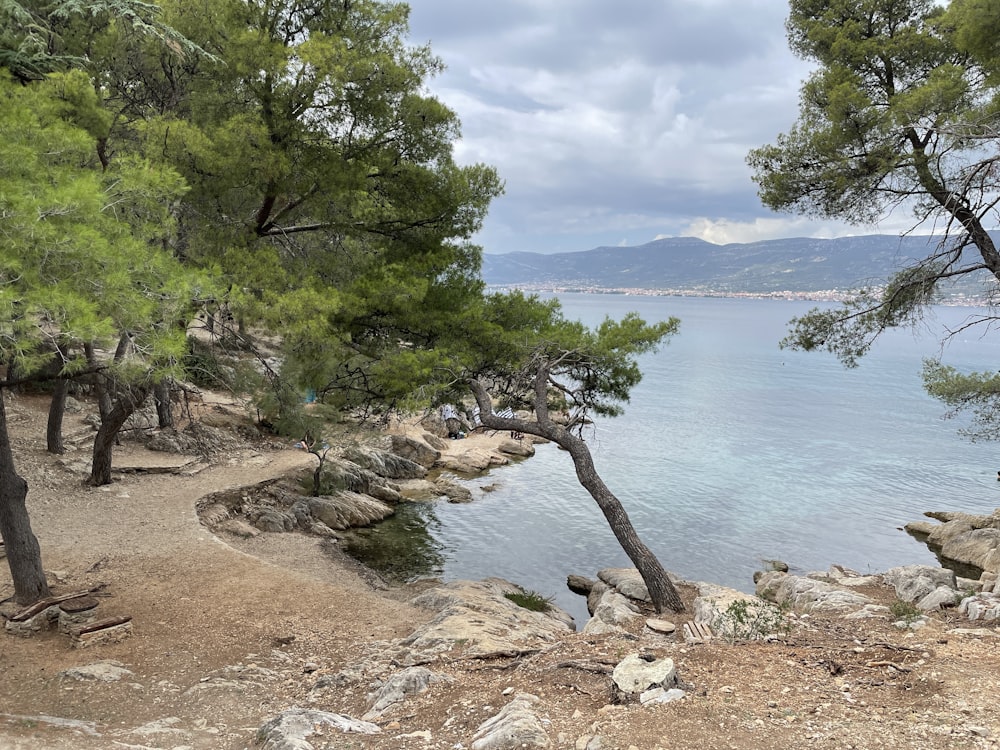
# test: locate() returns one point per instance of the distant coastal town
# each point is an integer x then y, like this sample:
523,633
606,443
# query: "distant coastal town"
957,299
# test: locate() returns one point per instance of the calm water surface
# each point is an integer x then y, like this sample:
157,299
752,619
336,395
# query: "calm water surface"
731,452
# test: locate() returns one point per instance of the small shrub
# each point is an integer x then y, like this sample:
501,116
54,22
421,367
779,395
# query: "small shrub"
905,611
749,620
530,600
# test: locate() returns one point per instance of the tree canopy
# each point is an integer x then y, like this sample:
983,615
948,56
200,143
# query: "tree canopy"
901,113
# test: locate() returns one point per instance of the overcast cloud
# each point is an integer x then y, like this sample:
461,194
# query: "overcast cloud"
617,123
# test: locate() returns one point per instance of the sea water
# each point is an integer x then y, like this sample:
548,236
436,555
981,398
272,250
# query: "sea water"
731,452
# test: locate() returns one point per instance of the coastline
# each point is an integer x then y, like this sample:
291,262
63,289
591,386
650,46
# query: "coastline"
224,641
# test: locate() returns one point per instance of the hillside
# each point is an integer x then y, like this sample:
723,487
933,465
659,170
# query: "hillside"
688,263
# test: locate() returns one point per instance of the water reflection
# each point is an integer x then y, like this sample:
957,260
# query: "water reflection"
403,547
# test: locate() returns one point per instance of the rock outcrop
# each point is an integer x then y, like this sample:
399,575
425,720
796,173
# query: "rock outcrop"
961,538
478,615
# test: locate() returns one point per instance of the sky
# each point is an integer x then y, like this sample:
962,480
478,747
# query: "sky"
617,123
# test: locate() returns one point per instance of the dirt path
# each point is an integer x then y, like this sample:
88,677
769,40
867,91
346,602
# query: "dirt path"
198,605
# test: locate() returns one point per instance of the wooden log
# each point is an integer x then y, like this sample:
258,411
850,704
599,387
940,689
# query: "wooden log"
109,630
107,622
78,604
43,604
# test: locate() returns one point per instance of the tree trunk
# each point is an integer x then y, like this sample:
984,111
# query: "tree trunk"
661,591
24,556
57,408
129,400
161,395
100,382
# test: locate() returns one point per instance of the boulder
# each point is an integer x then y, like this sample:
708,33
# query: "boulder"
348,509
964,538
942,597
579,584
415,450
515,727
418,489
612,611
290,729
472,461
479,616
627,581
638,673
386,464
913,582
455,492
435,442
520,448
274,521
410,681
808,594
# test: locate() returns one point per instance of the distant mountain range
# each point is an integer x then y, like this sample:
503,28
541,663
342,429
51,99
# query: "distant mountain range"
691,264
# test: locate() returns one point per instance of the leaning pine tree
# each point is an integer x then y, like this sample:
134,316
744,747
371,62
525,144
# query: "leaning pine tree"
536,360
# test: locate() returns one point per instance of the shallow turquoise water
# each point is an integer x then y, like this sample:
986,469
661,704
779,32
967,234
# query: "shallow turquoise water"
734,451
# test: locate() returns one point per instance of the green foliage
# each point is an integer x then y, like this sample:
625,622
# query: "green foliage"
519,338
905,611
749,620
902,109
81,257
976,393
850,330
527,599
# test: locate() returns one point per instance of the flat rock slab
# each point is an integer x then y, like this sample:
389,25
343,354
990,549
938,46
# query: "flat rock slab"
101,671
478,615
291,729
664,627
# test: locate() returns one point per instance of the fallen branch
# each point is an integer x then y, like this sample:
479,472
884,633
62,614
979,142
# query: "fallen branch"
892,664
585,666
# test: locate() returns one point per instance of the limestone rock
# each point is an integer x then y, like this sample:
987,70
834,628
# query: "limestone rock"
808,594
455,492
914,582
473,461
477,614
612,611
516,726
274,521
520,448
659,695
347,509
101,671
435,442
386,464
972,540
290,729
418,489
410,681
238,527
579,584
415,450
940,598
636,674
713,600
628,582
664,627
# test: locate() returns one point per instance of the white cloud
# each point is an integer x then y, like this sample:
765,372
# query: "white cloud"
616,121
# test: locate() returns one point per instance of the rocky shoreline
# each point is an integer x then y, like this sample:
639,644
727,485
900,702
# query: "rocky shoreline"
310,657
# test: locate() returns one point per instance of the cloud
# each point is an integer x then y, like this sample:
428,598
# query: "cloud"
608,120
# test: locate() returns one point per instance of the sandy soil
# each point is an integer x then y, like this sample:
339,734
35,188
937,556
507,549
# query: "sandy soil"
225,638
